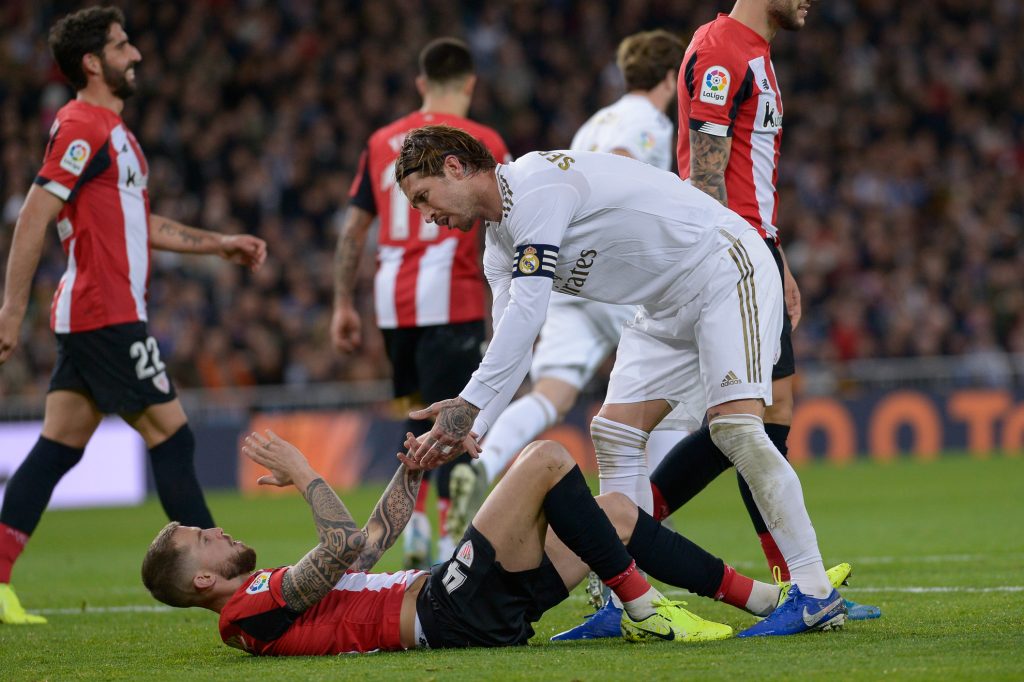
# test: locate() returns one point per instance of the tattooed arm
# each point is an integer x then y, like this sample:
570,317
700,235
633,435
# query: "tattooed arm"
345,322
170,235
341,540
709,156
390,516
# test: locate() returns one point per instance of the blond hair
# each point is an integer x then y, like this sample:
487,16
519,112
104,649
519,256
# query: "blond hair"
644,58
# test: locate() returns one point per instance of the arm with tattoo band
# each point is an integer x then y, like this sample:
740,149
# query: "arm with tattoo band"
166,234
709,157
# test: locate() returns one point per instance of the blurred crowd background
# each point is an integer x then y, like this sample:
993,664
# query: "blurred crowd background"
902,176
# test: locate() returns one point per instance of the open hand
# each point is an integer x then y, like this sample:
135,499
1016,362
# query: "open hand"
284,461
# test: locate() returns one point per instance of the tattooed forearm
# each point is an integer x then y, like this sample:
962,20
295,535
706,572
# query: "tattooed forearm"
456,418
341,542
390,516
349,249
709,156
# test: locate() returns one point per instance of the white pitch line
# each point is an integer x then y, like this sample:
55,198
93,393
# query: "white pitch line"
142,608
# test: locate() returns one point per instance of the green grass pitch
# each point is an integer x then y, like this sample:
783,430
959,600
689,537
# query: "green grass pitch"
939,546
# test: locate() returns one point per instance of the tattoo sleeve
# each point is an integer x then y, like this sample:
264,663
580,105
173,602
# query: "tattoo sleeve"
389,517
341,542
349,249
709,156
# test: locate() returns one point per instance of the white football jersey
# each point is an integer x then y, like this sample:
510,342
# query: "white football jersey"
632,124
599,226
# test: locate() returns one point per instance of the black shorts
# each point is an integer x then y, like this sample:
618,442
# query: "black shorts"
119,367
470,600
436,362
785,366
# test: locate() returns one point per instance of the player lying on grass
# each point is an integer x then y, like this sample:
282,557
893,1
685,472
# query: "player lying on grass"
507,571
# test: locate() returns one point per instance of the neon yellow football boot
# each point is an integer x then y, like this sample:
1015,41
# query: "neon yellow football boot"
672,622
11,611
837,575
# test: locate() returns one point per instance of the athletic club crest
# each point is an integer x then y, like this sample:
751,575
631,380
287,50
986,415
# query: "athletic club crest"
162,383
465,554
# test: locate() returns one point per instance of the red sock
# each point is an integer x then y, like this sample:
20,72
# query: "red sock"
661,509
421,498
774,556
12,542
735,588
630,584
442,515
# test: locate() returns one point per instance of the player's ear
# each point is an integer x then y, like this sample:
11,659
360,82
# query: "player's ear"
91,63
467,87
203,581
421,85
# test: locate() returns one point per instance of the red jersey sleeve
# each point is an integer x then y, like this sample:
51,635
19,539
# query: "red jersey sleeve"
719,84
361,192
76,152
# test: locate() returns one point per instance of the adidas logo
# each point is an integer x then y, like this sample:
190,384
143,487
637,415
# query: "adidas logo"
731,379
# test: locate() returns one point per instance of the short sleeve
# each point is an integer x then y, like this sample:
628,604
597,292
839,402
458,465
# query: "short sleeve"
361,192
77,151
719,85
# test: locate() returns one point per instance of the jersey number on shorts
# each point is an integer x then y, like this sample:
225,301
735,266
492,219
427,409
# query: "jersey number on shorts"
453,577
147,358
400,210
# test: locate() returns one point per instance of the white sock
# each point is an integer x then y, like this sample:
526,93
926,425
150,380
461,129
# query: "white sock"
659,443
642,607
622,461
776,490
517,426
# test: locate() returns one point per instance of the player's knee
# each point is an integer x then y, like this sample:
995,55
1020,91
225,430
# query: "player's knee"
546,454
621,511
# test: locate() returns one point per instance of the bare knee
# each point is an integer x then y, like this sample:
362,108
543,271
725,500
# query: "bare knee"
546,455
621,511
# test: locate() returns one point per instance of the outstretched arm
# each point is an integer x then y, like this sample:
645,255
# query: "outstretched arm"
166,234
341,540
390,516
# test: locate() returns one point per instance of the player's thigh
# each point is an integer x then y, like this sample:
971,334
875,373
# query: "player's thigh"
157,422
739,325
512,516
654,372
70,418
576,338
446,357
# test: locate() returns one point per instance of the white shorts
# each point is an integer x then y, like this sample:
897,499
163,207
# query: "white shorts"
718,347
577,336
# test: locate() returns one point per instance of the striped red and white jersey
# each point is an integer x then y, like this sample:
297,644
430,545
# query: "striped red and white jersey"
362,613
96,166
727,87
426,275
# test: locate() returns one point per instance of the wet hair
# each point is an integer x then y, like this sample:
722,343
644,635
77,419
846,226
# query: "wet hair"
446,59
644,58
425,149
163,569
76,35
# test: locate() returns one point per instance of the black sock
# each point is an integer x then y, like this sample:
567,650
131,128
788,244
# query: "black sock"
579,522
176,484
673,559
688,468
778,433
29,490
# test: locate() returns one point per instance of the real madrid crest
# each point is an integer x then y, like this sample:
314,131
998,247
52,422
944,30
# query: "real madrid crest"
529,262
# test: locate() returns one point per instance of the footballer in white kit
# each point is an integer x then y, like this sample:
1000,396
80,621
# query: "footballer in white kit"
612,229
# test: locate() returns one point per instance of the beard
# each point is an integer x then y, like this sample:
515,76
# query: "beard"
242,563
117,81
784,15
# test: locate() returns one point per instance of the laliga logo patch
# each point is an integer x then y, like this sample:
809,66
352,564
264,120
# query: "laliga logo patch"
465,554
646,141
75,157
162,383
260,584
714,88
529,262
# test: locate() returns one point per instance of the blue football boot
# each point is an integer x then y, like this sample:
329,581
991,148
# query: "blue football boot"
800,613
855,611
605,622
